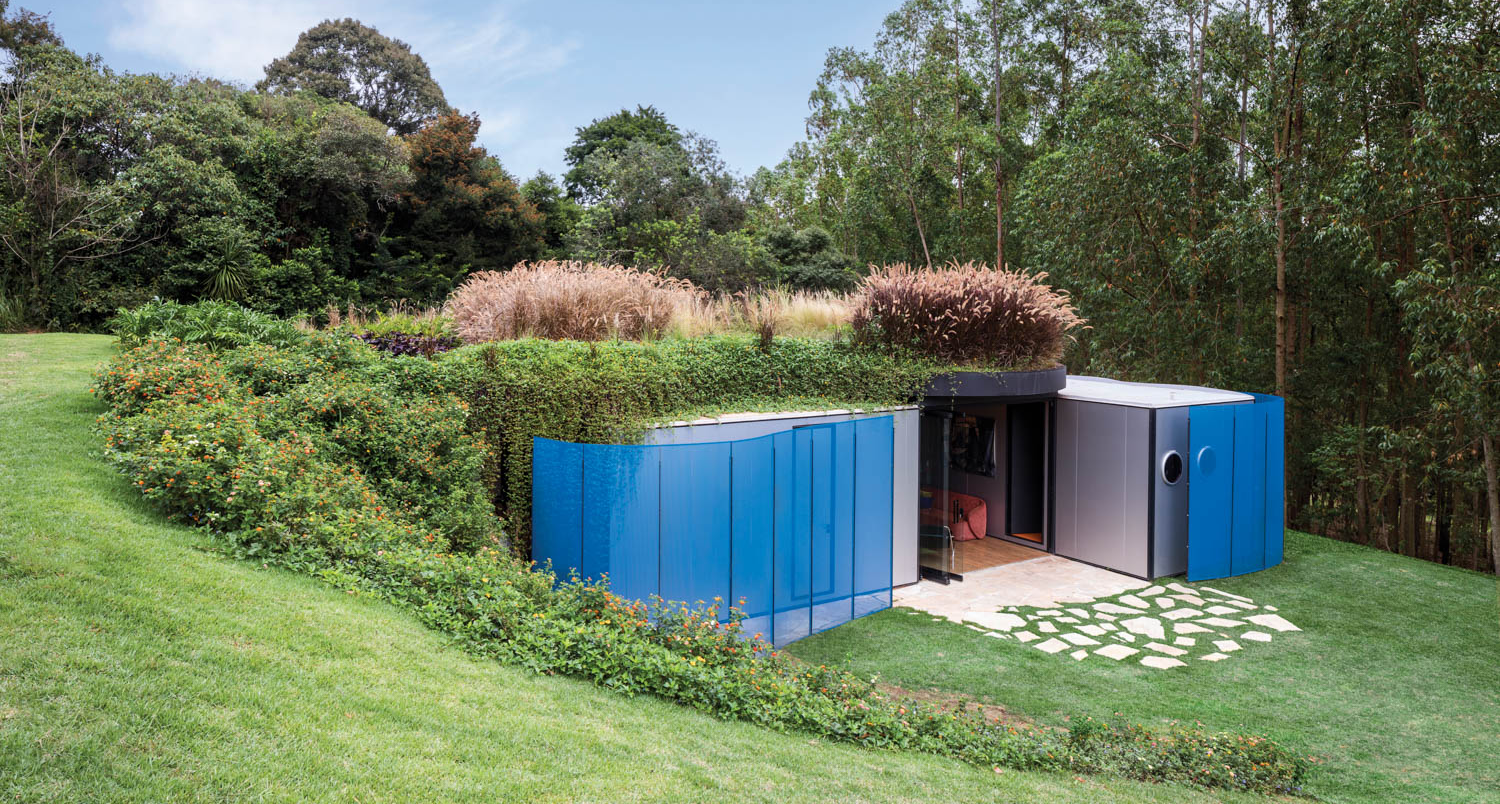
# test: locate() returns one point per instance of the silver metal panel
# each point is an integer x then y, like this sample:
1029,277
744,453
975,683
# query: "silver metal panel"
1171,500
1103,488
903,469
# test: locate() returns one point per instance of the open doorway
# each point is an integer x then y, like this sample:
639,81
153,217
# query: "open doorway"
983,485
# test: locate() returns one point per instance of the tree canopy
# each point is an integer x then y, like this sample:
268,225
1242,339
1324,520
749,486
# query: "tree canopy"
346,60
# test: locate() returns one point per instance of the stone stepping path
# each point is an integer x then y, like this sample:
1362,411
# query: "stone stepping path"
1161,627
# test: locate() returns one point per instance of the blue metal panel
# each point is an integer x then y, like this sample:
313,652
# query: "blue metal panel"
833,543
1248,538
621,518
1275,408
752,501
874,446
556,502
1210,490
695,517
794,546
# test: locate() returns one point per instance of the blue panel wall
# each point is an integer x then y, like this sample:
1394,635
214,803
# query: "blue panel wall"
1248,534
695,524
1210,490
1275,409
752,503
796,524
873,493
557,504
622,518
1235,500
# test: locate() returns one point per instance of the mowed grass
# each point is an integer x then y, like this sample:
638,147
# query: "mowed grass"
138,666
1394,682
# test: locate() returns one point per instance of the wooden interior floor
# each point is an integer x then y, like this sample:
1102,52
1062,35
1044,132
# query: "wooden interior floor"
978,554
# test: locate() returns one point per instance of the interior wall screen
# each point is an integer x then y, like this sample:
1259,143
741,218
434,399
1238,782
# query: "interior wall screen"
794,528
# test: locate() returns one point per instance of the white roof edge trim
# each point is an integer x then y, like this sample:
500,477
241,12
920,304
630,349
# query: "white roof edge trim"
732,418
1145,394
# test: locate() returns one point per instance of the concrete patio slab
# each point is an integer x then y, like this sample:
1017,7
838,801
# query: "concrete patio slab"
1039,583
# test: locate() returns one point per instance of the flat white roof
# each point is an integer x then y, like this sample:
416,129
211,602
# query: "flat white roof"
1145,394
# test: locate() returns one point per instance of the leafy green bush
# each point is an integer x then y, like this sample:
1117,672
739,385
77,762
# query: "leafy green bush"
365,476
214,324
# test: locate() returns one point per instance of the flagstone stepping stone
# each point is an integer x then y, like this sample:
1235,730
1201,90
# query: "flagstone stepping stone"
1079,654
1226,645
1220,622
1092,630
1050,613
1026,636
1079,613
1046,627
1162,662
997,621
1214,657
1256,636
1167,649
1132,600
1070,620
1189,628
1124,636
1226,594
974,627
1145,626
1191,600
1116,652
1052,646
1080,639
1165,602
1114,608
1105,617
1270,608
1243,605
1222,610
1148,592
1182,614
996,634
1109,626
1186,642
1186,590
1032,617
1274,622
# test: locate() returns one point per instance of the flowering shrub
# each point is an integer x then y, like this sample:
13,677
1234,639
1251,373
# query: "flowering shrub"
360,470
965,314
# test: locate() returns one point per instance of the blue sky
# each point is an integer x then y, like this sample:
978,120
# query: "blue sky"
738,73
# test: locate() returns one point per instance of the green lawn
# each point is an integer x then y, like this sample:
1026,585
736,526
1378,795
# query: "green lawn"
135,665
1394,681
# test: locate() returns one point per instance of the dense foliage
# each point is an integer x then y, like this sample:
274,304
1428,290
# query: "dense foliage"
360,469
566,301
216,325
1296,198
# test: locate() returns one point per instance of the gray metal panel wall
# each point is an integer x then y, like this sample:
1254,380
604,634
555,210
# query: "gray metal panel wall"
1171,501
1103,485
903,470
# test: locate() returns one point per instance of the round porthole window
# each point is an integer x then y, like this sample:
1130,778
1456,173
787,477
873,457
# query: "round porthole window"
1171,468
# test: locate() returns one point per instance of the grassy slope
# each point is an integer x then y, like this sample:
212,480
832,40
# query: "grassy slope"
136,666
1394,682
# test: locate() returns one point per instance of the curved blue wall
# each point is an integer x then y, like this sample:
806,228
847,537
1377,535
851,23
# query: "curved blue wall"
793,527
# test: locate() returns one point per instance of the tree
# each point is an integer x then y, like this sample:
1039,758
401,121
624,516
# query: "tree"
560,213
608,137
349,61
25,29
462,213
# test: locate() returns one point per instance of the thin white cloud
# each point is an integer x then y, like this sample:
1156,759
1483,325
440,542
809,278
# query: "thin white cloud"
232,39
